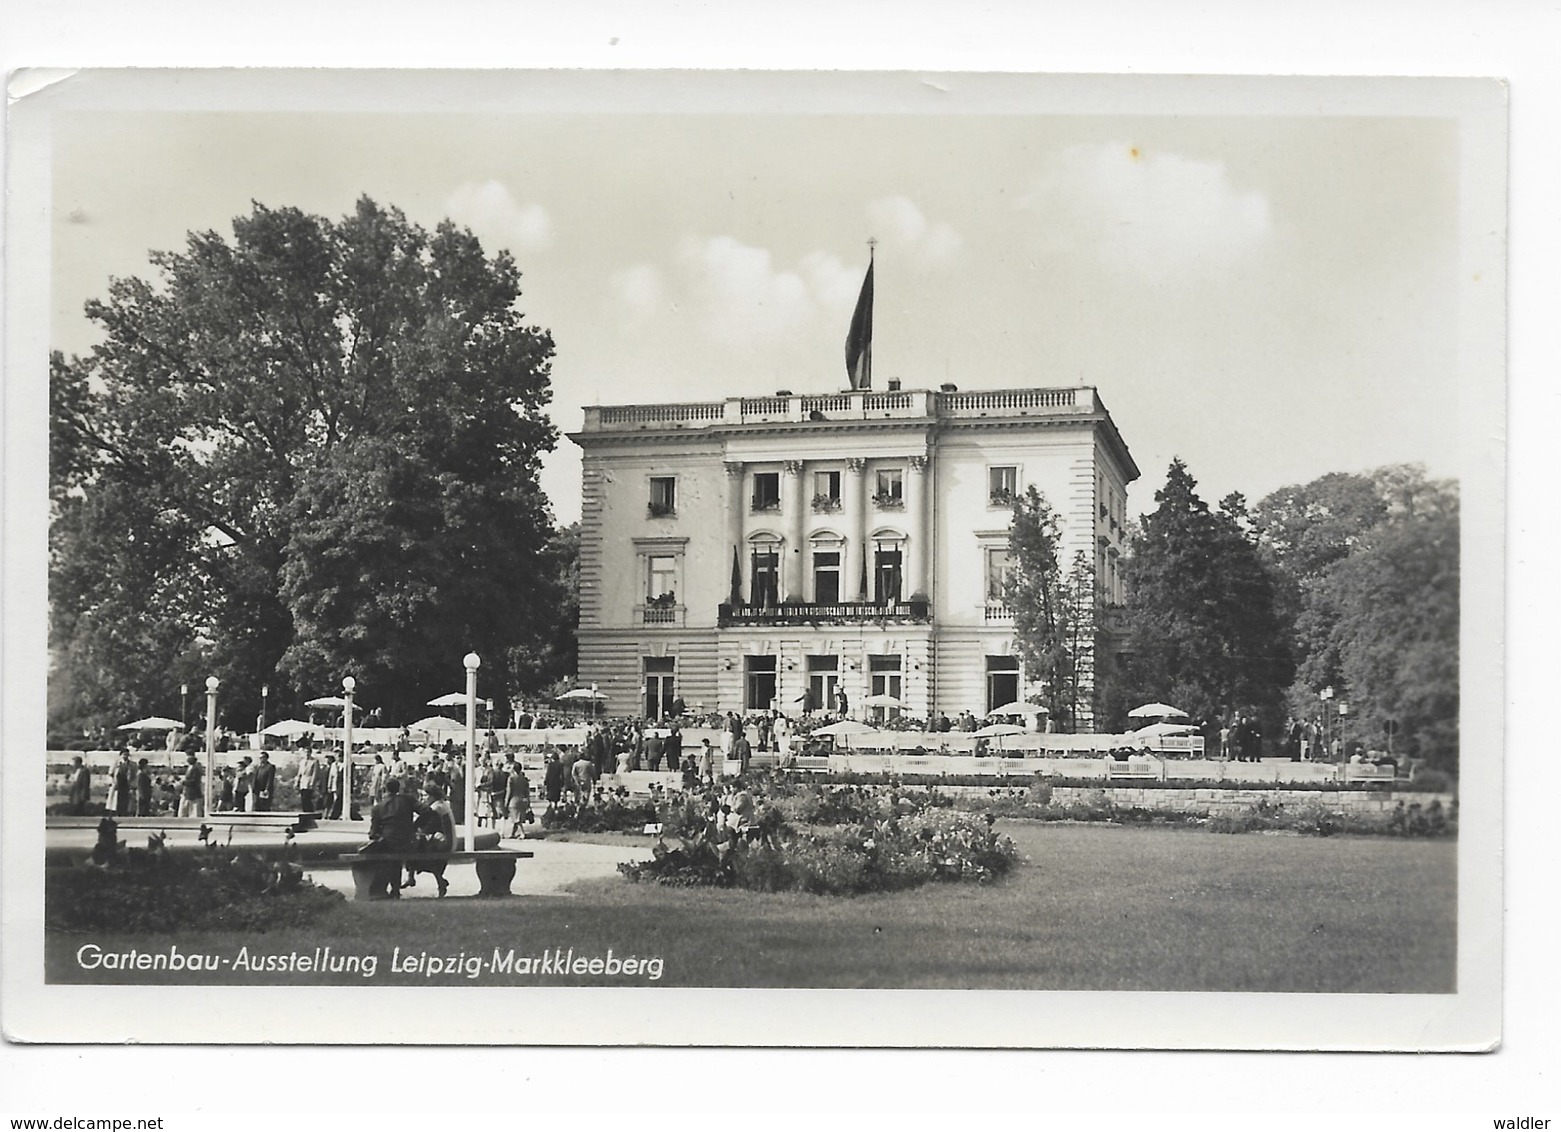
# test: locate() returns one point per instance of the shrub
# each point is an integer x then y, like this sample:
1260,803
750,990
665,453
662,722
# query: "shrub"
149,891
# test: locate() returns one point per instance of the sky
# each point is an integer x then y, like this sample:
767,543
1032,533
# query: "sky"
1269,298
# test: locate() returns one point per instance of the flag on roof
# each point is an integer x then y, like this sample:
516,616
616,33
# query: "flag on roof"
859,341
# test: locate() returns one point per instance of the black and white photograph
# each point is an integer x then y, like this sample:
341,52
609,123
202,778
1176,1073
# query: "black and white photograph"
534,533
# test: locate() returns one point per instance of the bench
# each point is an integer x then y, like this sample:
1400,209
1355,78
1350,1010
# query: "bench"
1133,770
1367,772
372,873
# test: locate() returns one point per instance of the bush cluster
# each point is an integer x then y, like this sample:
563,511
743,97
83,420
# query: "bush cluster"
830,841
606,812
150,891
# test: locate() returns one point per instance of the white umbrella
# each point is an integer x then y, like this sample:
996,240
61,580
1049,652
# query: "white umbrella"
1156,729
290,728
577,694
845,727
453,699
332,702
1018,709
993,730
1155,711
436,723
882,700
152,723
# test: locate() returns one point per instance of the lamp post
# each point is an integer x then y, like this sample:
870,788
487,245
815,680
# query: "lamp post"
348,686
265,702
472,662
211,739
1344,745
1326,696
184,706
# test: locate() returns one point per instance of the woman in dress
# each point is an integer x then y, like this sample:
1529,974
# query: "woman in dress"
517,800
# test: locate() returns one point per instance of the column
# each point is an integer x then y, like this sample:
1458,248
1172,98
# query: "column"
918,546
736,504
795,499
855,521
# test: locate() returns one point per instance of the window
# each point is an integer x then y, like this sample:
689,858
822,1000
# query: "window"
662,582
660,686
760,680
826,489
1002,681
823,683
663,496
890,492
766,491
999,573
826,577
1002,482
765,589
884,674
886,573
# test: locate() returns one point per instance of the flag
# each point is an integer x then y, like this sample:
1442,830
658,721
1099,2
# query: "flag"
737,579
859,341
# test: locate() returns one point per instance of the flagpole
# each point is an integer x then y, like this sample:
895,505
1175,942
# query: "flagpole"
872,247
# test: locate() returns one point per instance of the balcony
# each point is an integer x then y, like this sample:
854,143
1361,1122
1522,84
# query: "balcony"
999,611
659,613
838,613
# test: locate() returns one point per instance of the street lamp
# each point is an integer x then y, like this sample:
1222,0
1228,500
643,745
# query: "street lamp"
184,706
472,662
1326,695
211,739
1344,714
348,686
265,698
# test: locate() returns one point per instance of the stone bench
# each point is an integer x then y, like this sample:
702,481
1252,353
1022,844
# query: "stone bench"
1368,772
373,872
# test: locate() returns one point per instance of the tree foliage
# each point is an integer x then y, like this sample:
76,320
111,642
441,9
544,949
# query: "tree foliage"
1048,625
1202,621
1372,564
307,451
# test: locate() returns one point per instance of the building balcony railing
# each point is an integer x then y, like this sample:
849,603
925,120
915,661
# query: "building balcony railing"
656,613
820,613
854,404
999,611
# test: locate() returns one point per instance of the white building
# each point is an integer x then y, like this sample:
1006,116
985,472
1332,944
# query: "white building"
759,550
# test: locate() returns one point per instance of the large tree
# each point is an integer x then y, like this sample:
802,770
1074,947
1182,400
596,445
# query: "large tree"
305,451
1203,628
1372,564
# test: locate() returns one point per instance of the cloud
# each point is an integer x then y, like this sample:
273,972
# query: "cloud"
639,289
489,209
899,224
1154,215
739,292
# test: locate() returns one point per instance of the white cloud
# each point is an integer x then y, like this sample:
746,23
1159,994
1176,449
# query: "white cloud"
1150,214
899,224
489,209
639,289
739,293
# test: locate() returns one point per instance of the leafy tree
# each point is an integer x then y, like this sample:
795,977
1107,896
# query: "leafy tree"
1202,625
307,451
1038,594
1372,562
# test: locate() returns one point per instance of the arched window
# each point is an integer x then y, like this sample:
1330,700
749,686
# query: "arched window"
764,569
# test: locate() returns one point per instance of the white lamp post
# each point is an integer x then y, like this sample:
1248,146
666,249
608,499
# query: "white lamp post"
472,662
211,738
348,686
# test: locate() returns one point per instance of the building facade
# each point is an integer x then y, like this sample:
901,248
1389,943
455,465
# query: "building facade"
780,551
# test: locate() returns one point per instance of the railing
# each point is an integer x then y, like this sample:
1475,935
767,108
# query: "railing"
999,611
663,414
858,404
661,614
810,613
1005,400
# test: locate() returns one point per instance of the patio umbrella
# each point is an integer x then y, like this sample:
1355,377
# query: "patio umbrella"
847,729
332,702
436,723
290,728
882,700
152,723
453,699
1015,708
997,730
1155,711
1156,729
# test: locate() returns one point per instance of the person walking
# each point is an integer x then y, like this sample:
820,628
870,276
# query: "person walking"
143,789
304,780
192,796
121,799
553,779
707,760
517,799
241,785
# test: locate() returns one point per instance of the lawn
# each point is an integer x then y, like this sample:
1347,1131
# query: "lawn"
1093,908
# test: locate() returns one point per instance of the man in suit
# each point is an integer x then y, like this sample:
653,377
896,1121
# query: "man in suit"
263,785
305,781
392,830
80,786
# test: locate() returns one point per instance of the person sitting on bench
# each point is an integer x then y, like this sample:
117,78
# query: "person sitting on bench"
393,831
435,834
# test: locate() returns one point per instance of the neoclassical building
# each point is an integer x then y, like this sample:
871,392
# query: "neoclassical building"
759,551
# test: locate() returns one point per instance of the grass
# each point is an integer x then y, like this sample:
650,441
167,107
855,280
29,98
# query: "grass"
1094,908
